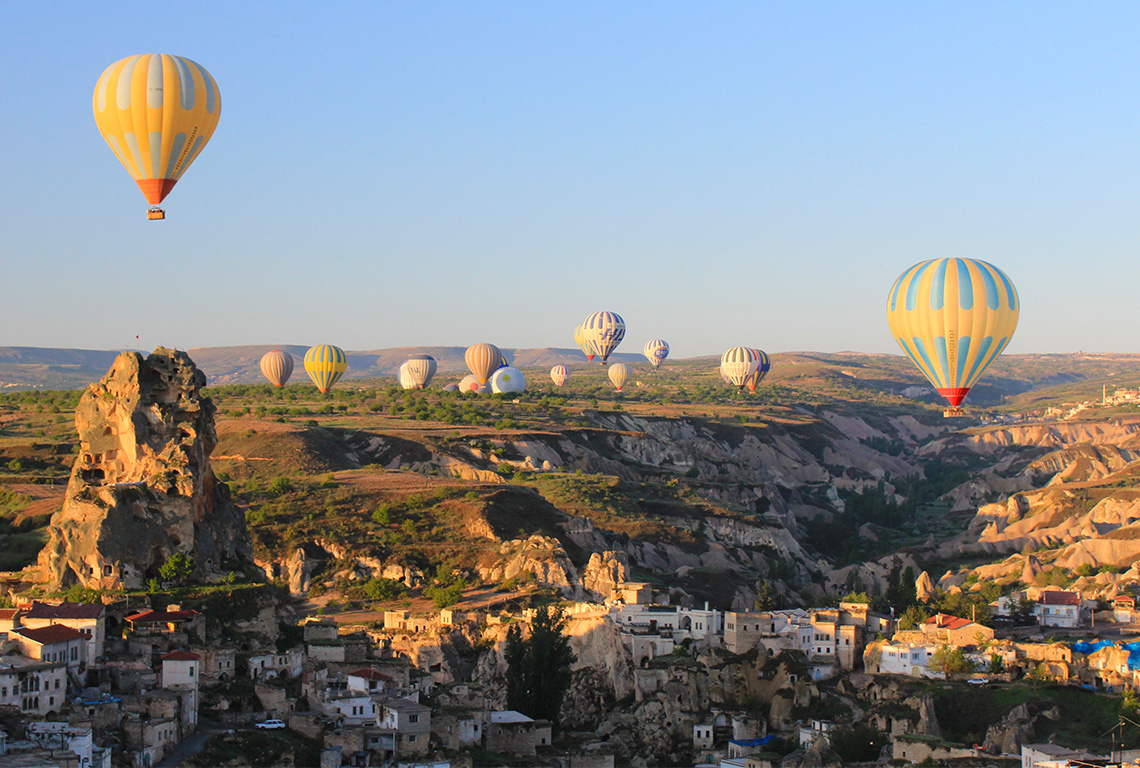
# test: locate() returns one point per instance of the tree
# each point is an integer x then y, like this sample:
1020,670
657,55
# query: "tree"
538,667
177,568
950,660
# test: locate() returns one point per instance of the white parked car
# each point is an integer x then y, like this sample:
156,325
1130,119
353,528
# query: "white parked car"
267,725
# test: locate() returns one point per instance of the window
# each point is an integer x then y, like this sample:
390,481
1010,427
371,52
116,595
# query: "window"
191,670
412,739
106,570
413,718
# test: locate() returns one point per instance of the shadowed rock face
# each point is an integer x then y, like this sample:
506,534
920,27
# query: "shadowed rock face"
142,487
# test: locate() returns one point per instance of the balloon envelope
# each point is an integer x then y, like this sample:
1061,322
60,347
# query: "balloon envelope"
483,360
405,378
470,384
508,379
277,366
603,331
737,364
325,364
559,374
580,340
953,317
421,369
619,374
156,112
764,364
656,350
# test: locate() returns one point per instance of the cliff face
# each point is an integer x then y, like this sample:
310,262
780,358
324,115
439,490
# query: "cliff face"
142,488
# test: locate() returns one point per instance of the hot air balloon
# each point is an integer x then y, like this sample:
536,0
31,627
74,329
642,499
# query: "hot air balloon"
277,366
483,360
656,351
559,374
764,364
737,364
404,378
953,317
580,340
470,384
508,379
421,369
157,112
325,364
450,387
603,331
619,374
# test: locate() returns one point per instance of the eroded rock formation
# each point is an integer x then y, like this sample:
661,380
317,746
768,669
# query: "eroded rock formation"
142,488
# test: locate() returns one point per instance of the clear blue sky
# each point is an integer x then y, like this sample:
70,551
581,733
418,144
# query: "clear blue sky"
390,174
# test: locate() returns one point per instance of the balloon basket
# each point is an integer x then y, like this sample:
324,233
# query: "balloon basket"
155,214
953,413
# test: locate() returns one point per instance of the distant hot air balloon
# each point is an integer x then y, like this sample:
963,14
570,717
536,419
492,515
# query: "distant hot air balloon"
157,112
656,351
603,331
277,366
559,374
450,387
470,384
737,364
507,379
580,340
953,317
764,364
404,378
483,360
325,364
421,369
619,374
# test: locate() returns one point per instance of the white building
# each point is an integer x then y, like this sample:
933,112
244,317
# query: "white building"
181,671
34,687
911,659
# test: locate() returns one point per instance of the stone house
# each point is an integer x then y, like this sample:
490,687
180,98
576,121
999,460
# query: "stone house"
412,723
369,681
1124,609
181,671
149,739
170,621
86,618
78,740
942,628
319,630
899,658
218,664
35,688
1058,608
514,733
457,730
53,644
289,664
405,621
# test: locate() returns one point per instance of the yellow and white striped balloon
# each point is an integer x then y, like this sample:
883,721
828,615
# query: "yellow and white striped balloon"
156,111
325,364
619,374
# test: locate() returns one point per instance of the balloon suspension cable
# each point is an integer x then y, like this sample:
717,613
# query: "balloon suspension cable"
154,213
953,413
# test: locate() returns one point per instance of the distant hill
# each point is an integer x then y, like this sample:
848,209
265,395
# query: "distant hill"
47,368
1020,381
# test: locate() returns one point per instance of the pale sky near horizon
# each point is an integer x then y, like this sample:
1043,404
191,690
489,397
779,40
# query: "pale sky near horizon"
426,173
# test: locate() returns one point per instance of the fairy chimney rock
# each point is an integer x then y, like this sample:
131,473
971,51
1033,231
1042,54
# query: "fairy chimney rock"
142,488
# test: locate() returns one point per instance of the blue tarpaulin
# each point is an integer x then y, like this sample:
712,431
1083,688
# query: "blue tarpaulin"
1133,649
